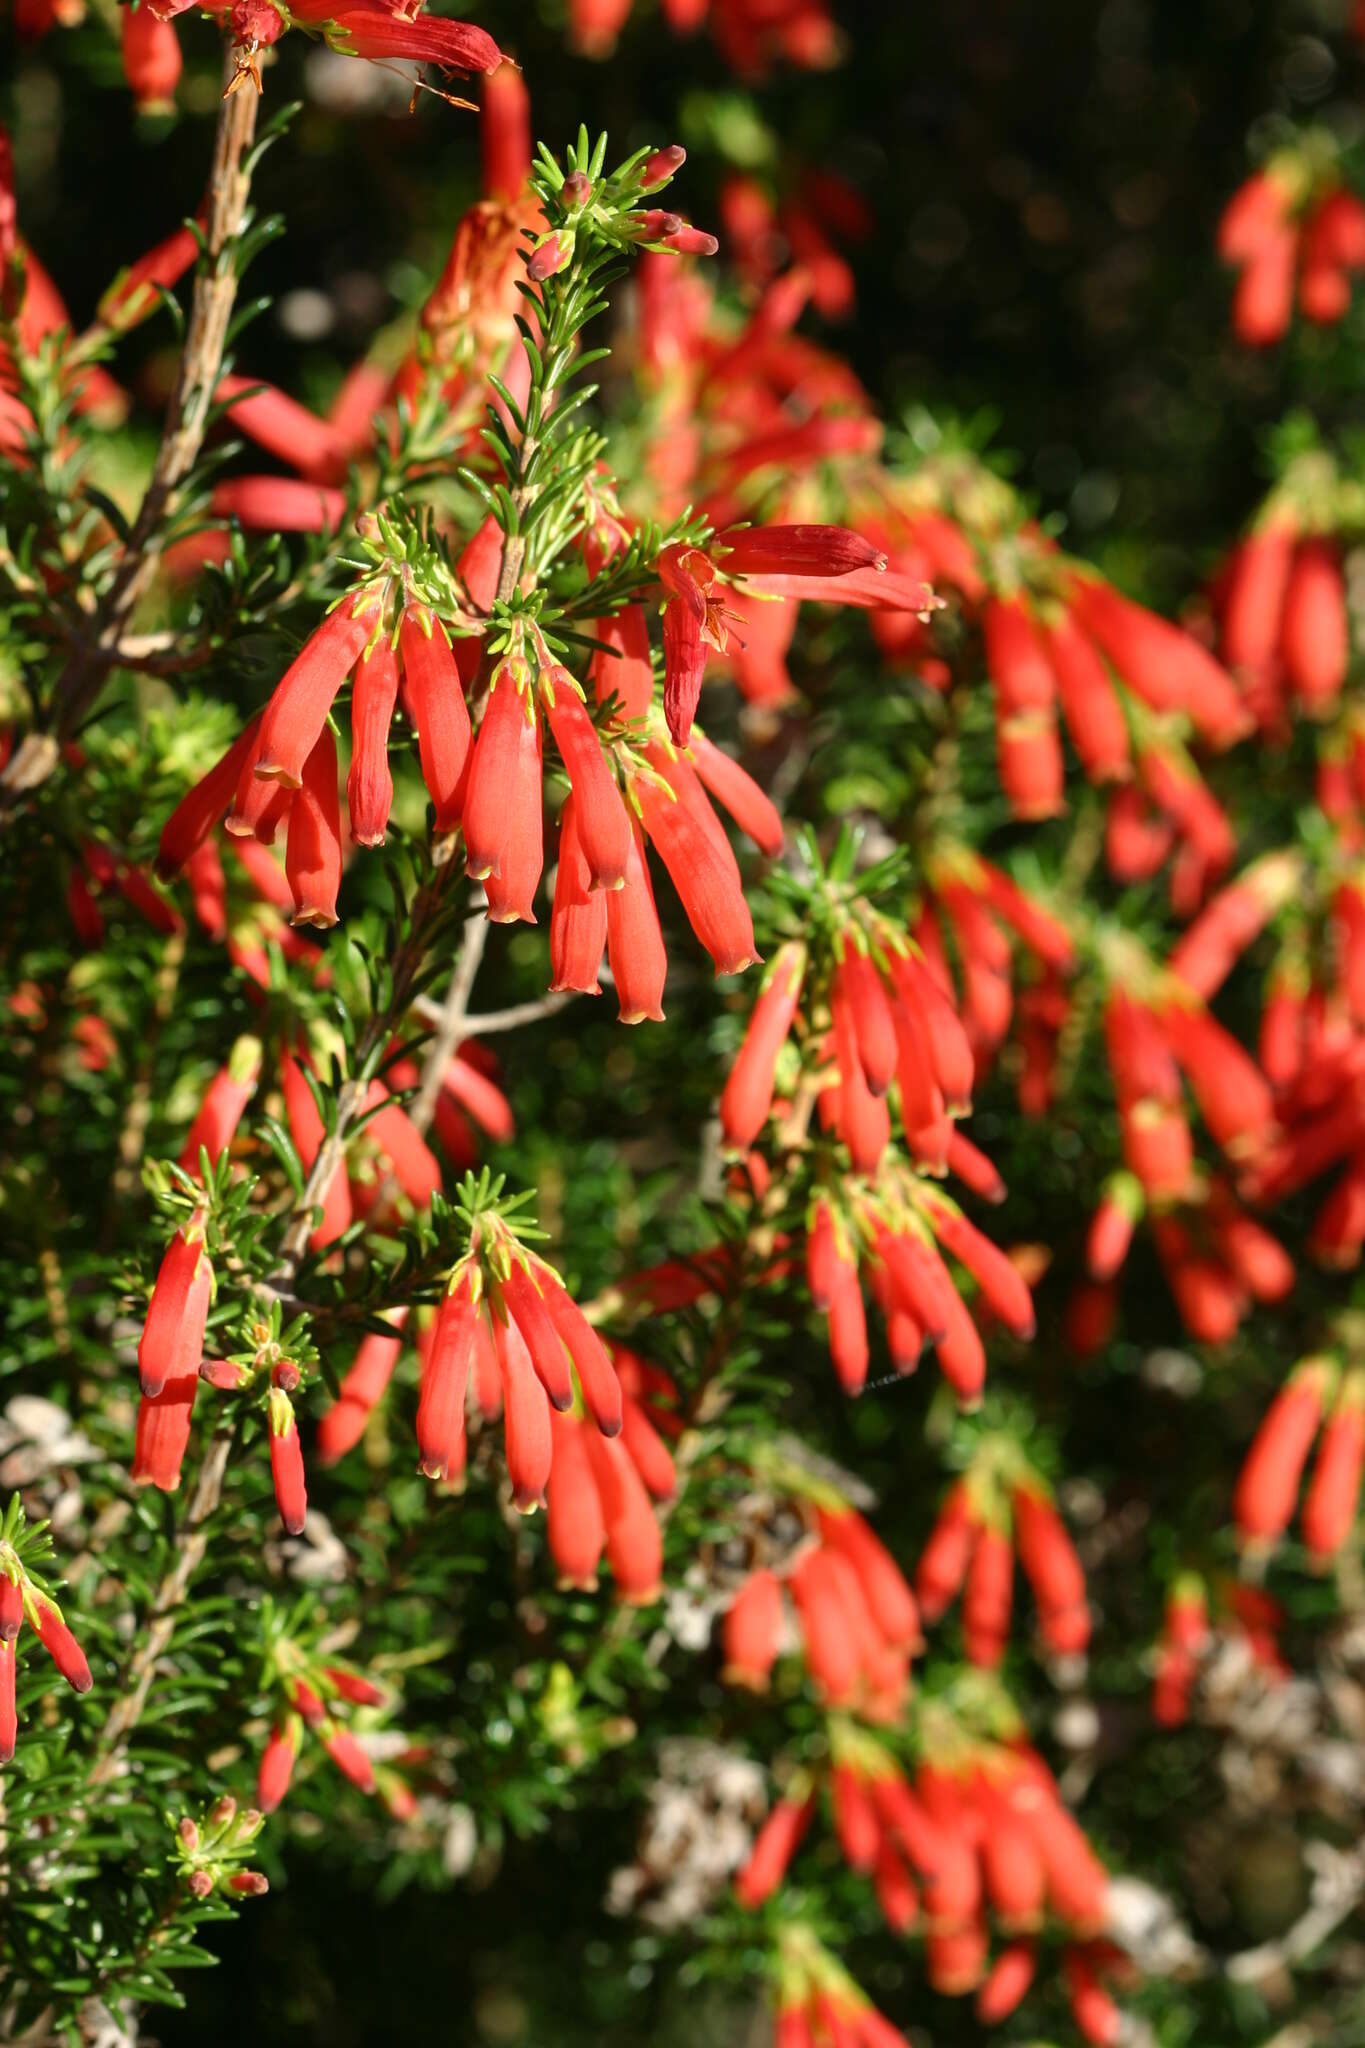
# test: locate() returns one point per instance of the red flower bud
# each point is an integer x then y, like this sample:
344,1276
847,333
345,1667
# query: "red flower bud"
286,1463
776,1843
57,1639
752,1632
312,858
277,1765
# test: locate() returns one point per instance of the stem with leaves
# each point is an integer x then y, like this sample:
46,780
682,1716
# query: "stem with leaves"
182,437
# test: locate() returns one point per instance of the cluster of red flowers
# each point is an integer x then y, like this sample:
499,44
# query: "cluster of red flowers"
978,909
1247,1616
970,1550
1318,1395
1283,621
23,1600
1293,232
857,1617
312,1690
1217,1258
818,2005
978,1840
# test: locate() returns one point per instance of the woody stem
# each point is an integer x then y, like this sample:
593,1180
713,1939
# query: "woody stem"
182,437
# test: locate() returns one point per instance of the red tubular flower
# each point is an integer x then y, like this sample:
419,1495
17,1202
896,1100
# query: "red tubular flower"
374,32
627,673
172,1341
9,1717
1008,1983
1094,2011
578,916
529,1445
151,59
1089,703
1255,596
1263,302
635,945
855,1817
600,1388
296,715
795,551
574,1526
286,1463
1329,1510
736,792
752,1631
203,805
895,1889
1016,658
634,1540
11,1607
943,1562
684,669
413,1163
1166,667
361,1389
136,291
306,1130
848,1347
529,1309
504,132
1053,1569
776,1843
1011,1868
348,1756
436,704
1268,1484
701,866
276,1767
1000,1281
603,827
1314,633
988,1596
445,1376
163,1432
1184,1636
502,808
1112,1226
312,857
1233,1096
748,1093
278,504
224,1099
830,1644
884,1588
57,1639
369,785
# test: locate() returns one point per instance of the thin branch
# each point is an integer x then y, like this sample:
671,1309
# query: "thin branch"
491,1022
450,1019
182,437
